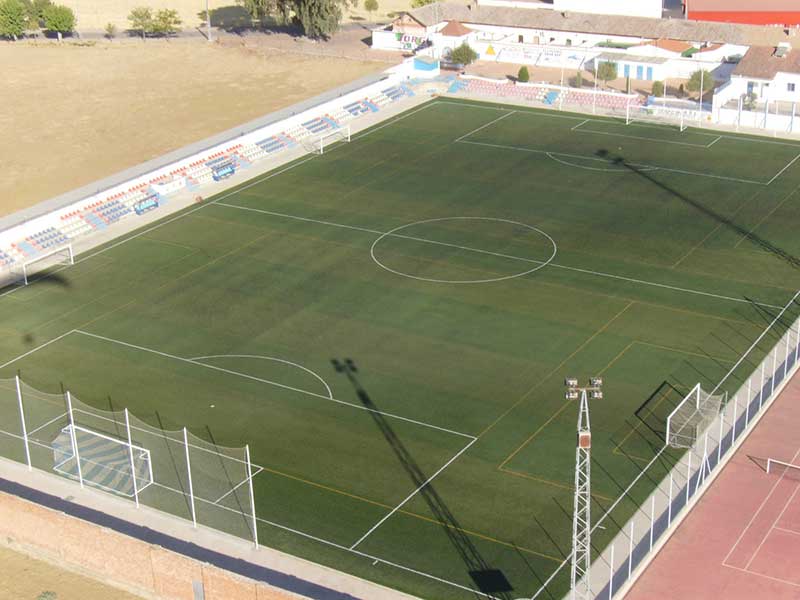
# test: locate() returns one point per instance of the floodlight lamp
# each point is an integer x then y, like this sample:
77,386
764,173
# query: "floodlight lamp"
571,382
596,381
572,395
597,395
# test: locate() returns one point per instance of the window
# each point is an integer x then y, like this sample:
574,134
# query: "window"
569,42
789,87
520,39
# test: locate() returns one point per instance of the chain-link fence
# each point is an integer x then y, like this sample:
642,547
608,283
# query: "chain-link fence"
751,387
172,471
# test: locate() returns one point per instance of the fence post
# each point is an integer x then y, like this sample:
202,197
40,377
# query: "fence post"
736,415
761,389
630,550
74,437
669,508
774,370
652,519
797,341
747,406
130,455
721,428
189,471
252,496
611,575
24,426
688,475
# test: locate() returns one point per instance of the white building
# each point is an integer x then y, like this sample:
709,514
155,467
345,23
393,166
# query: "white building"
630,8
765,74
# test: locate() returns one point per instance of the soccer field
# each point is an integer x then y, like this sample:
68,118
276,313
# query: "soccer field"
389,325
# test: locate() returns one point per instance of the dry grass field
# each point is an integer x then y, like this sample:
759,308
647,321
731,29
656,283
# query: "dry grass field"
84,112
26,578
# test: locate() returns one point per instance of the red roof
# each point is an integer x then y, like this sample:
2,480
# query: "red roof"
743,5
455,29
671,45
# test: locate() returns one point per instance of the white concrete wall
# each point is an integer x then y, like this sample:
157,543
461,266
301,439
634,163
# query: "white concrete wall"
631,8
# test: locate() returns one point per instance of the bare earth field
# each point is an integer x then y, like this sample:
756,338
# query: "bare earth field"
73,114
26,578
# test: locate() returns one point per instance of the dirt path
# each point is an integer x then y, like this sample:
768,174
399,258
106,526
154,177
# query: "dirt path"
26,578
72,114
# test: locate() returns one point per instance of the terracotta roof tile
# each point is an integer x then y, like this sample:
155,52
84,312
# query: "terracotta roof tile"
760,62
671,45
455,29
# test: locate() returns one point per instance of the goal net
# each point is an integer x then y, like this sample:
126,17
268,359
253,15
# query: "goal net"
692,416
102,461
319,143
670,118
23,272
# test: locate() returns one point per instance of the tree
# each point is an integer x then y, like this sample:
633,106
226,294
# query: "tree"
693,85
658,88
166,22
141,19
523,75
463,55
35,10
607,71
13,18
59,18
370,6
111,31
319,18
578,79
419,3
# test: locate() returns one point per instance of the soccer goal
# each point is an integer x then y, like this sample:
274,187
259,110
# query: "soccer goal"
692,416
62,255
319,143
102,461
666,117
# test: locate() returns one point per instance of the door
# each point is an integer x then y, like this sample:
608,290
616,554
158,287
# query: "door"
649,73
639,72
627,70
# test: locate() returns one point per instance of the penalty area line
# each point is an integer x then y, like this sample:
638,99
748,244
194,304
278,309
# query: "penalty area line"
412,494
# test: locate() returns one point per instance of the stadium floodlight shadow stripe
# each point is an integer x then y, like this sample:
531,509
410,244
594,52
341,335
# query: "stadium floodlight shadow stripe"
501,255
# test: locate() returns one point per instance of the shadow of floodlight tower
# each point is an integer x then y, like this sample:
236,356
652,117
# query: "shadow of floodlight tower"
491,582
580,581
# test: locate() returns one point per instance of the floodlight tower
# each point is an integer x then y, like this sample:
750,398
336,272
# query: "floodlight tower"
581,517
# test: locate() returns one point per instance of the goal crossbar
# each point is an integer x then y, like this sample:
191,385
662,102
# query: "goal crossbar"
323,140
64,255
692,415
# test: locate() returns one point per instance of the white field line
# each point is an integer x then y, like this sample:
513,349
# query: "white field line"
667,169
412,494
526,110
641,137
270,382
584,122
477,129
501,255
779,173
50,422
270,358
599,169
29,352
783,529
777,579
364,134
714,141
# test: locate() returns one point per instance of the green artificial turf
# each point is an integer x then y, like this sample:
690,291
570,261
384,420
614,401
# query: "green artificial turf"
673,250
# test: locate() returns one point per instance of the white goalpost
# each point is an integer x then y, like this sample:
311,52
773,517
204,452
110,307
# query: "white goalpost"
63,255
692,416
323,140
657,116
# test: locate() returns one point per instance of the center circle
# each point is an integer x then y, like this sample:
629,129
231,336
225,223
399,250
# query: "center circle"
399,232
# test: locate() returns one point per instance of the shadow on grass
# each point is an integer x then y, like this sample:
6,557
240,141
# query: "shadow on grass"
487,579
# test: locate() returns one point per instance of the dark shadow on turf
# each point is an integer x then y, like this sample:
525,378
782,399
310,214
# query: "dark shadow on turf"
486,578
751,236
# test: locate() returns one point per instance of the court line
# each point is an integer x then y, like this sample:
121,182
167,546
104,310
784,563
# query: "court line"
756,513
477,129
776,579
769,531
716,139
412,494
763,219
269,382
776,528
498,254
639,137
637,165
584,122
39,347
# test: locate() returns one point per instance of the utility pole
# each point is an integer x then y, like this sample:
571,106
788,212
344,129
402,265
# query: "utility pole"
580,583
208,23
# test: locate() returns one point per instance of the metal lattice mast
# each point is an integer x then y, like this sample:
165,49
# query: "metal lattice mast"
581,520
